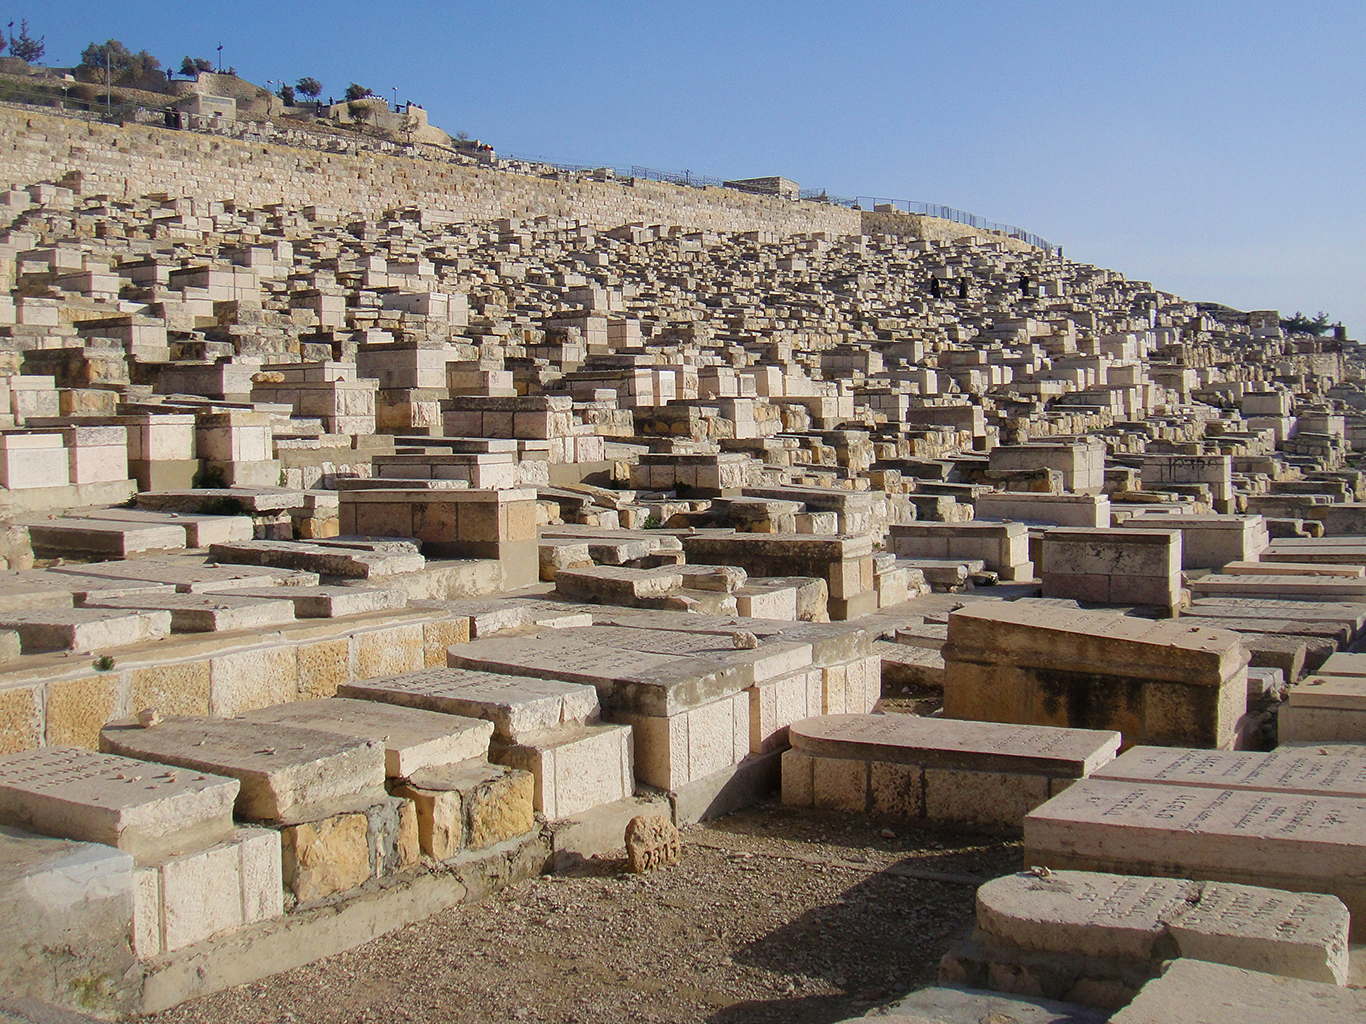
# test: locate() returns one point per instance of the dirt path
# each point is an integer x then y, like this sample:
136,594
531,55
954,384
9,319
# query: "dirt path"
772,915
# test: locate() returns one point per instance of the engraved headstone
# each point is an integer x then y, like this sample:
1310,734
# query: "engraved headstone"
651,842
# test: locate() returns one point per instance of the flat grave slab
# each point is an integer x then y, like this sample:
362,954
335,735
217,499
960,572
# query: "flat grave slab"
355,562
29,591
1155,681
831,642
323,602
200,530
189,576
640,671
520,707
974,773
207,613
1293,841
412,739
1304,588
1124,917
1280,771
102,538
288,775
1193,990
150,811
1270,608
1324,708
84,629
938,742
1344,663
1338,632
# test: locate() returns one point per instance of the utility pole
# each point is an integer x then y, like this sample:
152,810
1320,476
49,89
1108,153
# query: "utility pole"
108,89
220,58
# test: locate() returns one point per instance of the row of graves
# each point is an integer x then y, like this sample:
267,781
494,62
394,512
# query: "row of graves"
356,568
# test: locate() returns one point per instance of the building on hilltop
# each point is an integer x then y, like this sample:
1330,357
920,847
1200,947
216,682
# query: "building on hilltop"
784,188
199,109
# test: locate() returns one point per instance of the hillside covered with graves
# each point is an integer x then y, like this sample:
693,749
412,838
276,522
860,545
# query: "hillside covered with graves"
379,532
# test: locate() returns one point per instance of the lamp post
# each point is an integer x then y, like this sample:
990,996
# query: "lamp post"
220,58
395,88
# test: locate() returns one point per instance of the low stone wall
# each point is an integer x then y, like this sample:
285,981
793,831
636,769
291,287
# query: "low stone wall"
136,160
53,702
934,229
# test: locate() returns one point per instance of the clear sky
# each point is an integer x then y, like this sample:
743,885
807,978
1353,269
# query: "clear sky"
1215,149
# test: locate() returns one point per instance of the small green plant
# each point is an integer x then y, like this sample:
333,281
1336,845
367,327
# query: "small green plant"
652,522
104,663
209,478
225,505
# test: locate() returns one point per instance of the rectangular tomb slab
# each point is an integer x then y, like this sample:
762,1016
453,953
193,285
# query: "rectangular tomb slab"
1193,990
413,739
150,811
288,774
190,575
333,602
85,629
1284,841
972,773
520,707
207,613
1281,771
643,671
937,742
1124,917
1101,642
1156,682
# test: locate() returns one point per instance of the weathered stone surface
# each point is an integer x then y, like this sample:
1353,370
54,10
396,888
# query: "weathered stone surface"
1250,837
1230,995
412,739
67,913
287,774
326,857
651,842
150,811
1155,682
469,806
518,706
1100,915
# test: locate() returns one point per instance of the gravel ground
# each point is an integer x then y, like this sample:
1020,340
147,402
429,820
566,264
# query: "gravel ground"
772,914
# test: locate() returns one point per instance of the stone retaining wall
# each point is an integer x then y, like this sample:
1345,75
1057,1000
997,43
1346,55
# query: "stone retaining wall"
136,160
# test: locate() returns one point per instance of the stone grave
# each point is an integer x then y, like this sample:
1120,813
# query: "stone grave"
1155,682
972,773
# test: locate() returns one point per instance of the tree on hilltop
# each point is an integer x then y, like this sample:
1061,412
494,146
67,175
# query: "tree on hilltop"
193,67
357,92
123,63
286,95
25,47
1302,324
309,87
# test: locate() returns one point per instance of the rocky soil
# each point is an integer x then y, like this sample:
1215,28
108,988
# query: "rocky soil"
771,915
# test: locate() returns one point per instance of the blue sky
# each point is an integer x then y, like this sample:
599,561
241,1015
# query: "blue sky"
1215,149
